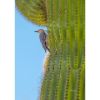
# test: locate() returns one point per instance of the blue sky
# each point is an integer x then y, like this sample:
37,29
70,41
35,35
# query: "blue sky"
29,59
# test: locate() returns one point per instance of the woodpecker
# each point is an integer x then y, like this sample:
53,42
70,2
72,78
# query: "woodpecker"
43,39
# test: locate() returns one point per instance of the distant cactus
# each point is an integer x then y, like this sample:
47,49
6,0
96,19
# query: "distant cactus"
65,70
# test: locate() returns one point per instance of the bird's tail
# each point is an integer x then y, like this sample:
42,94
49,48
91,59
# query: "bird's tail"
48,49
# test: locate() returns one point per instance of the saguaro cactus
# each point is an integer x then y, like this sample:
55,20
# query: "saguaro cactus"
65,19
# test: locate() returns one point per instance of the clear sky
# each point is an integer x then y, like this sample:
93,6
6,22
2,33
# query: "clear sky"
29,59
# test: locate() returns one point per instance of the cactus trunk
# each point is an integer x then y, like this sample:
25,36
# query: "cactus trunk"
65,75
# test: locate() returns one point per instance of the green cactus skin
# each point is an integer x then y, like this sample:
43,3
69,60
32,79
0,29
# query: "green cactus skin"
65,72
65,77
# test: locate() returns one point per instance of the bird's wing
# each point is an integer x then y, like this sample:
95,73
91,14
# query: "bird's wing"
46,42
43,40
43,37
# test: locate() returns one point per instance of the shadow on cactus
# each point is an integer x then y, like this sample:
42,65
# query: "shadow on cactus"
65,69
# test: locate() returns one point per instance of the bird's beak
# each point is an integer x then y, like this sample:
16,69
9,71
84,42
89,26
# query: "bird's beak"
35,31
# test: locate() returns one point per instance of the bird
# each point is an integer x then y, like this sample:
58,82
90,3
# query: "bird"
43,39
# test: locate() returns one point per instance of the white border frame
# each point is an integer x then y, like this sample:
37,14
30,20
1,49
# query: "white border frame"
92,49
7,50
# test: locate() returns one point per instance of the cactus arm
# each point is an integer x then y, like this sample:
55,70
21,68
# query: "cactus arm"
33,10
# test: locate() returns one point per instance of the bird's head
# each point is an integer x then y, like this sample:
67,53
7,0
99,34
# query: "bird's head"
40,31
